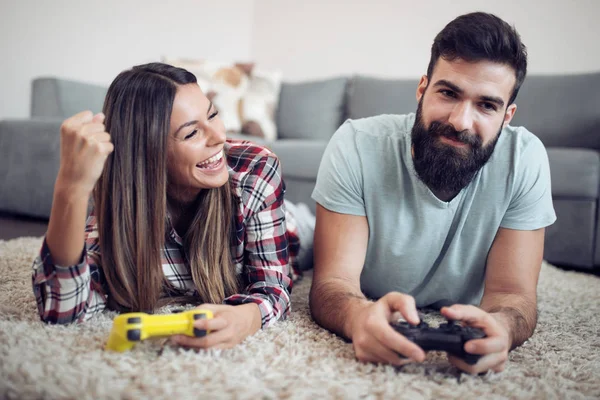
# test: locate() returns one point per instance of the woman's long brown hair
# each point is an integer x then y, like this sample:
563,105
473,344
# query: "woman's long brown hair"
130,200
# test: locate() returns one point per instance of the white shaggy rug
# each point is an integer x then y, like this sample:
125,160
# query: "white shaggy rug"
293,359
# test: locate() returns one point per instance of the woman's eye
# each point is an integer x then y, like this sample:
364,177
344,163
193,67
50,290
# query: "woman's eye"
191,135
211,116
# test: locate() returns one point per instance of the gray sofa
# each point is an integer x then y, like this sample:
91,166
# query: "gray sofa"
563,111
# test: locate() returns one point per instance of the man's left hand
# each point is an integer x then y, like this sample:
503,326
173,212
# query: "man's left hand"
493,348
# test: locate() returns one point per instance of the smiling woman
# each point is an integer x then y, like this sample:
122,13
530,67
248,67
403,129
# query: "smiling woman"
180,213
196,145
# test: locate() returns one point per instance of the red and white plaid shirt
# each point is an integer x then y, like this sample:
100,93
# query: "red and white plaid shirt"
265,248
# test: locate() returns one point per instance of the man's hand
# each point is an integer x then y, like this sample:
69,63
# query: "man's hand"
229,327
374,340
493,349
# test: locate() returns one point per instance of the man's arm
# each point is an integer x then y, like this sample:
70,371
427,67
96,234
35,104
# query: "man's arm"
507,312
513,269
337,302
340,247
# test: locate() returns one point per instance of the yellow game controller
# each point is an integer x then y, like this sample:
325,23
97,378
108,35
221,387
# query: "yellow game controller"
130,328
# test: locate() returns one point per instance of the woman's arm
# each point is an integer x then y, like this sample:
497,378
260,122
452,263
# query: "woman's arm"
266,296
266,258
72,293
62,275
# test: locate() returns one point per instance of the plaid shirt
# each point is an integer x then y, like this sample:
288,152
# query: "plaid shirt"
264,245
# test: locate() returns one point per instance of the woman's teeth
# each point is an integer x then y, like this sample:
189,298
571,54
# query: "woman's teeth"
208,163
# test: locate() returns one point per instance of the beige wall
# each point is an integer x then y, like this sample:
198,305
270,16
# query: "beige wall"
94,40
312,39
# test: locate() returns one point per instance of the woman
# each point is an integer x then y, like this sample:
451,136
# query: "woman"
180,214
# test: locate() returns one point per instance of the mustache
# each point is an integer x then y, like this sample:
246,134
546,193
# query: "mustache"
438,129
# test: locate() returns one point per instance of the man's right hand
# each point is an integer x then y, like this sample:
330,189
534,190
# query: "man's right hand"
84,148
374,340
336,300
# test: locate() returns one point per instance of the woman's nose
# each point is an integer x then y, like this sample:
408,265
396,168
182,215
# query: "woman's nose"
216,134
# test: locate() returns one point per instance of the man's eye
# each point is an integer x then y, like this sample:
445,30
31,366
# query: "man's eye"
488,106
191,135
448,93
211,116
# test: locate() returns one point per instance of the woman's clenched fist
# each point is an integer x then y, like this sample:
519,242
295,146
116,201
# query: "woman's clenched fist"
84,147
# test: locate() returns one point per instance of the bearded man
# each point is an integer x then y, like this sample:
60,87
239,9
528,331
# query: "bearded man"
445,208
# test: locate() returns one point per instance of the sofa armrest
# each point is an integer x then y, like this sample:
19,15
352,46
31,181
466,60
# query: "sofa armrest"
30,157
62,98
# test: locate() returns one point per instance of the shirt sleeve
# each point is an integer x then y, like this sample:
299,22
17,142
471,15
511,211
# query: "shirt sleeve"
531,205
339,185
266,268
74,293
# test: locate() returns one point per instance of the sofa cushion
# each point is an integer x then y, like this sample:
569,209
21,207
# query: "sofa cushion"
575,173
311,110
570,240
61,98
373,96
561,110
299,158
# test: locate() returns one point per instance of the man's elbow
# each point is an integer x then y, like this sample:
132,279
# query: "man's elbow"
314,303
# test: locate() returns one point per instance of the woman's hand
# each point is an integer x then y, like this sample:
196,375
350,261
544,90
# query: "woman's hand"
84,148
229,326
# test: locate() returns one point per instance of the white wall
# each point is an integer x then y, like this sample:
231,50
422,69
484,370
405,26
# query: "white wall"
392,38
94,40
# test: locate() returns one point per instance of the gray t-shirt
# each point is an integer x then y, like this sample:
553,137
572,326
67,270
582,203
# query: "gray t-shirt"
418,244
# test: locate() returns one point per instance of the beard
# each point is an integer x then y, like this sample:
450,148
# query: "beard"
442,167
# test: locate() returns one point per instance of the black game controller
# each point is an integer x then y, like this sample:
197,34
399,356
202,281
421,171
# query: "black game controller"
449,337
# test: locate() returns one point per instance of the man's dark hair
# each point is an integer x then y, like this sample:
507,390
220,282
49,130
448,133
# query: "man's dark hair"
481,36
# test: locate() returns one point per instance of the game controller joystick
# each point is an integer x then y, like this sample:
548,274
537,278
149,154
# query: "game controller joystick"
449,337
130,328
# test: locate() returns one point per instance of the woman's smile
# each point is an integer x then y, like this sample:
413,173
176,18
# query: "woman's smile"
213,163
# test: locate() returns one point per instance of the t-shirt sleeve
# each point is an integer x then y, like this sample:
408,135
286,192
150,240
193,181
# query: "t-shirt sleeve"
531,205
339,185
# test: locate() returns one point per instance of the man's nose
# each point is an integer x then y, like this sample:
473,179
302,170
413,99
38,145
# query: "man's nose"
461,117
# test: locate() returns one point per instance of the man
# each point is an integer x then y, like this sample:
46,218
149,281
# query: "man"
443,209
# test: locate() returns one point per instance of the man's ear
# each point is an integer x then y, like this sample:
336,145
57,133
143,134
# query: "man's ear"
510,113
422,86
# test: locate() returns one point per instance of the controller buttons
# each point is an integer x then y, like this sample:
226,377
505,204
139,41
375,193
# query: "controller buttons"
134,335
199,332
